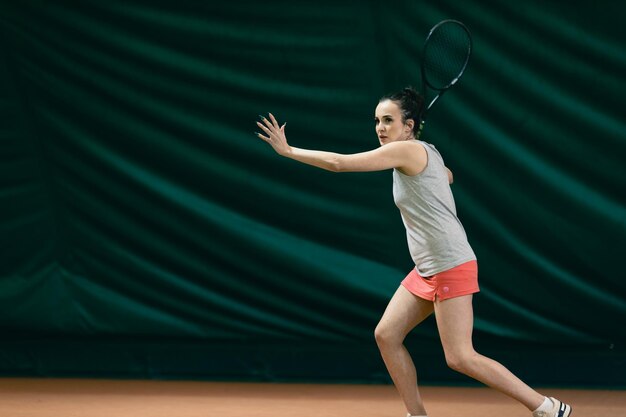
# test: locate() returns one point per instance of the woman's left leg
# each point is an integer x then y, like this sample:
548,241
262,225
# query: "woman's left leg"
455,321
404,312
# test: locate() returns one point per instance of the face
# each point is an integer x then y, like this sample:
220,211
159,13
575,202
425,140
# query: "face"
389,125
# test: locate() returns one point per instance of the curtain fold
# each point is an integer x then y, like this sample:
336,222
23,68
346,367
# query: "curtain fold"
137,202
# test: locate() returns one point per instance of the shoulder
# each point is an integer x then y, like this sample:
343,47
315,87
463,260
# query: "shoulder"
414,156
406,146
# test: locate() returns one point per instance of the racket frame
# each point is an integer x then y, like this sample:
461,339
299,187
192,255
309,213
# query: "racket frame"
425,82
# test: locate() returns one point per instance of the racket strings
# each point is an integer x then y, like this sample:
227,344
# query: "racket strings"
446,53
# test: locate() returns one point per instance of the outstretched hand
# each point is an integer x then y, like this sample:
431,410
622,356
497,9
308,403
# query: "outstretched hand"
274,134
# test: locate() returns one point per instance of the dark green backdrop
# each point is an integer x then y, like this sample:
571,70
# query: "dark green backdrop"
145,231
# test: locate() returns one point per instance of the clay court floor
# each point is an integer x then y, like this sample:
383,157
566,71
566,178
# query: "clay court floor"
21,397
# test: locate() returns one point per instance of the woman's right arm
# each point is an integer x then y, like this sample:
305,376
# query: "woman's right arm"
450,176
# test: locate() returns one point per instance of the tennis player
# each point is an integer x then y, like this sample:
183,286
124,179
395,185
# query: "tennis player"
445,276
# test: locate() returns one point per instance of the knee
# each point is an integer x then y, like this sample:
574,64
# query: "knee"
386,336
461,360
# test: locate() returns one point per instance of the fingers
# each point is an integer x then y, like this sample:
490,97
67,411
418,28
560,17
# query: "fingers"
270,127
265,138
274,122
271,122
264,128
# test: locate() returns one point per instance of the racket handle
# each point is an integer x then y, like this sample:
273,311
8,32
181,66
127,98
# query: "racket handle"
419,131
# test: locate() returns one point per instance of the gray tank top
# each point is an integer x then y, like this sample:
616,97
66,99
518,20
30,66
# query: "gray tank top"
437,240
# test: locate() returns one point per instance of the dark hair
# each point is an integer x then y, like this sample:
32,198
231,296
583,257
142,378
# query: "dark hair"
411,104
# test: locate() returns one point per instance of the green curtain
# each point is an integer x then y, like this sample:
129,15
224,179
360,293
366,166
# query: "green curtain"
146,231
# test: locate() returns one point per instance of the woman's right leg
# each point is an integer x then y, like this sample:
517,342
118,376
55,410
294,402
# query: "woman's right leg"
403,313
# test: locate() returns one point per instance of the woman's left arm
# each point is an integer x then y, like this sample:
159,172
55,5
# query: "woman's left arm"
409,157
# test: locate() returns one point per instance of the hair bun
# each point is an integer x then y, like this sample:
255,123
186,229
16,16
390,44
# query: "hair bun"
412,92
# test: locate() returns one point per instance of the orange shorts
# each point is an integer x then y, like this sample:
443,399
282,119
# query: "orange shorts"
455,282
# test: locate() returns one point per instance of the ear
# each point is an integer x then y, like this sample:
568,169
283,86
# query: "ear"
410,123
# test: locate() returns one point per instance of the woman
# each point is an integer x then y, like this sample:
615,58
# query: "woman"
445,274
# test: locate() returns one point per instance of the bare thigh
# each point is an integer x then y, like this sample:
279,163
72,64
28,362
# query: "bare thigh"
403,313
455,322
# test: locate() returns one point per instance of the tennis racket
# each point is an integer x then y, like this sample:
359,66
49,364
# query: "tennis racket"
445,56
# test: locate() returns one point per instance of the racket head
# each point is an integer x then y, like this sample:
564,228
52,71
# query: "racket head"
445,55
